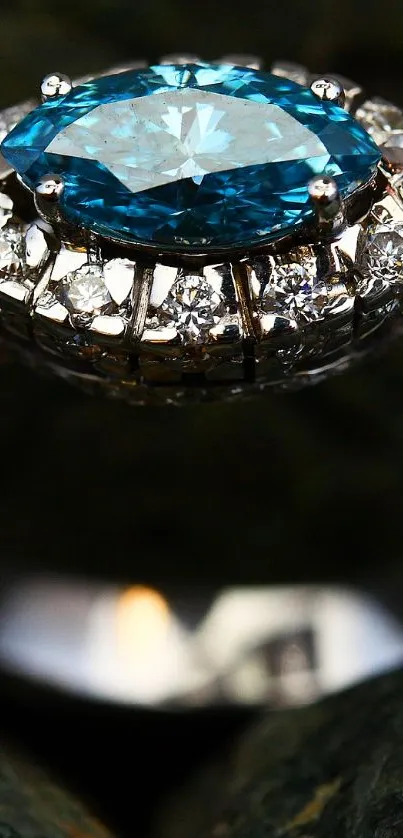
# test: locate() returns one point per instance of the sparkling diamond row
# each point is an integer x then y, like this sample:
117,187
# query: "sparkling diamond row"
186,308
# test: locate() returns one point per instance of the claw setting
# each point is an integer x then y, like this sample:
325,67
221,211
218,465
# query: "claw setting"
199,229
190,157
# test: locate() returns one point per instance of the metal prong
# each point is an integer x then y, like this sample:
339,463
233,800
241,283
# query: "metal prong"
354,93
328,204
329,90
48,192
54,85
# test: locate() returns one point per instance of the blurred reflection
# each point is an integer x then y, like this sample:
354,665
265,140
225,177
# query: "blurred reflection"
137,648
273,646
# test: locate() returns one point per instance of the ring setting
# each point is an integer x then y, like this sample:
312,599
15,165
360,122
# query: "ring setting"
200,231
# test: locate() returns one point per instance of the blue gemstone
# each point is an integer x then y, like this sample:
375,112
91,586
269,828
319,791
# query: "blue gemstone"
190,158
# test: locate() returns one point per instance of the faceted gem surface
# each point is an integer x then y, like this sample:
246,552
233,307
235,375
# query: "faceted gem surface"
190,157
12,250
383,254
190,307
294,291
382,120
84,290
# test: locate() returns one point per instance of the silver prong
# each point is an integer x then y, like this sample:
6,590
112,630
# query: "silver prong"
354,93
328,204
54,85
329,90
48,192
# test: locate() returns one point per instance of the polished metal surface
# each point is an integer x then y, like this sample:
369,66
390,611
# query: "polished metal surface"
54,85
281,316
330,215
47,196
329,90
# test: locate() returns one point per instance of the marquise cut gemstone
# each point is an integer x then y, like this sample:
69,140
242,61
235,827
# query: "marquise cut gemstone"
190,157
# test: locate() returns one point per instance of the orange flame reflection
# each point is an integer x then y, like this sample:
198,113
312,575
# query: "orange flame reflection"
143,618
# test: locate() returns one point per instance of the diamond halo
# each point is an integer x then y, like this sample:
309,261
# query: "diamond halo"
271,318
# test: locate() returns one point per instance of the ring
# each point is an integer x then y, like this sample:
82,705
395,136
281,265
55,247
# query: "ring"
195,231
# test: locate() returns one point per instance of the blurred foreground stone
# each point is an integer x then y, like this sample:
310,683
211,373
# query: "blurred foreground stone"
33,806
331,769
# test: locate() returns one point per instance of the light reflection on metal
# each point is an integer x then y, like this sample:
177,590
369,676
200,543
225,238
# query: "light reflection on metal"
274,646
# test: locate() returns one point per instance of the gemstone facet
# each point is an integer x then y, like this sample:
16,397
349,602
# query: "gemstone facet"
382,120
190,157
192,306
293,291
84,290
12,251
383,253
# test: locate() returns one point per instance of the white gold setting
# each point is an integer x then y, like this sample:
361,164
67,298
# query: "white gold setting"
189,308
279,317
23,252
294,290
87,295
292,295
84,290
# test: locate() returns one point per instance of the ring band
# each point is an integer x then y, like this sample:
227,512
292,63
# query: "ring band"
206,231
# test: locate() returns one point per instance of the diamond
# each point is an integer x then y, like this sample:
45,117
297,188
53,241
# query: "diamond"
190,157
17,274
190,309
294,291
382,120
383,252
84,290
12,251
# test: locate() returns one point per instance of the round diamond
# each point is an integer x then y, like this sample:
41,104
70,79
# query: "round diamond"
383,254
190,308
381,119
12,250
85,290
294,292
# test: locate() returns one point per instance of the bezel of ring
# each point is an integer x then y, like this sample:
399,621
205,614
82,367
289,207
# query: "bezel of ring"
271,347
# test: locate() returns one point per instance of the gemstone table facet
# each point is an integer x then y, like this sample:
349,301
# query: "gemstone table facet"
190,157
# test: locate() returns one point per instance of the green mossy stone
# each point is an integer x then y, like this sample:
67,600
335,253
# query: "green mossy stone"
34,806
331,770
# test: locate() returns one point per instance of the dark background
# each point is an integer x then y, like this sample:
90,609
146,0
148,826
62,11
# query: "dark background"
305,486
